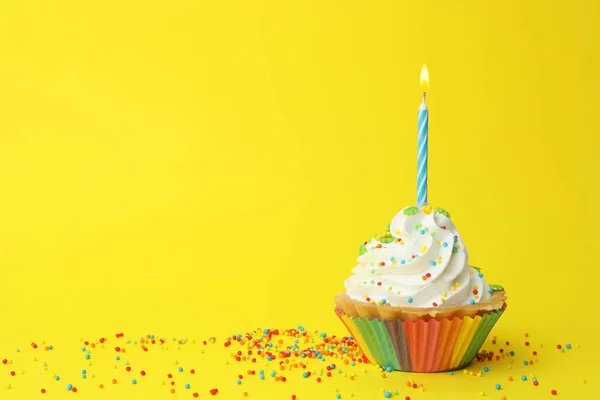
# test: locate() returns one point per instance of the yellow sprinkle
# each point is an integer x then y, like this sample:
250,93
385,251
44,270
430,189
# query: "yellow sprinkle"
427,209
442,299
470,272
475,287
452,288
372,302
398,232
398,292
465,371
394,262
475,296
444,294
457,284
439,259
389,288
424,249
457,246
437,242
365,296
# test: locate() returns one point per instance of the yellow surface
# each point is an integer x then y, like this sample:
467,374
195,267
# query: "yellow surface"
195,168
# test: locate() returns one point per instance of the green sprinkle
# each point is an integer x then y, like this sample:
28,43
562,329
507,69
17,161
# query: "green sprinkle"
496,287
477,268
363,249
387,240
411,211
387,228
443,212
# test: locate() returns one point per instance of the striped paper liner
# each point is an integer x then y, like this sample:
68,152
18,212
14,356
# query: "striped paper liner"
434,345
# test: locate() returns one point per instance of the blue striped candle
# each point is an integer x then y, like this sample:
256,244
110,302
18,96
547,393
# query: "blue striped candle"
422,154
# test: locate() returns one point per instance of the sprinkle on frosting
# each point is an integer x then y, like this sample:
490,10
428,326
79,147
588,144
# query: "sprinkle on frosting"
411,211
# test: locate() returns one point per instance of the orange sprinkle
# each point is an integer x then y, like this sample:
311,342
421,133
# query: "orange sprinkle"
114,381
383,375
510,378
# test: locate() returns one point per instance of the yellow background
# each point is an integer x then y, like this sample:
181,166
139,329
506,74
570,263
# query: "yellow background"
204,168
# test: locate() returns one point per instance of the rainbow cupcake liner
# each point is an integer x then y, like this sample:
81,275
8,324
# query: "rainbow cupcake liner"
432,345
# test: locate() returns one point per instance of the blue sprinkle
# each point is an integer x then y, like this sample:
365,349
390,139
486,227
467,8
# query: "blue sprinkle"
83,349
389,368
480,275
83,376
332,366
50,347
490,291
451,372
239,382
69,386
526,362
535,379
269,358
87,356
410,299
485,369
392,259
83,371
387,395
262,377
180,369
383,301
402,262
57,378
118,358
300,328
151,336
471,301
262,372
454,249
422,232
433,263
338,396
445,244
524,378
305,374
302,355
498,386
187,386
133,381
272,373
512,353
568,345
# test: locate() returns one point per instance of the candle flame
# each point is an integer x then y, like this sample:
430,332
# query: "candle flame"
424,79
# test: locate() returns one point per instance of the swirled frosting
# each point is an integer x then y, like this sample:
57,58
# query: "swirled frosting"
421,261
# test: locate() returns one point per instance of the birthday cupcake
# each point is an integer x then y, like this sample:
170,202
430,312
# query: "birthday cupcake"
414,302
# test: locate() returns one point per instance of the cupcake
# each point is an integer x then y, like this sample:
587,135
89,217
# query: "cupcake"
414,302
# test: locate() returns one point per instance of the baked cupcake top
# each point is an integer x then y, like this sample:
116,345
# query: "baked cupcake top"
420,261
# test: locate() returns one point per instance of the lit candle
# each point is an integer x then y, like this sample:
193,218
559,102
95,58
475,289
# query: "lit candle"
422,142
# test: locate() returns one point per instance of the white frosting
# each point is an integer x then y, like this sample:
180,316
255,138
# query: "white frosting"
426,262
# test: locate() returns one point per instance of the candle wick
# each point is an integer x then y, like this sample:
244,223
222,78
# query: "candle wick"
424,95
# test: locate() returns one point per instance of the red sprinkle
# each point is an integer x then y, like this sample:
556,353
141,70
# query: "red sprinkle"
535,383
12,373
169,376
43,390
558,346
143,373
535,353
192,371
378,283
117,349
128,368
195,394
4,361
293,397
554,392
526,343
74,389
